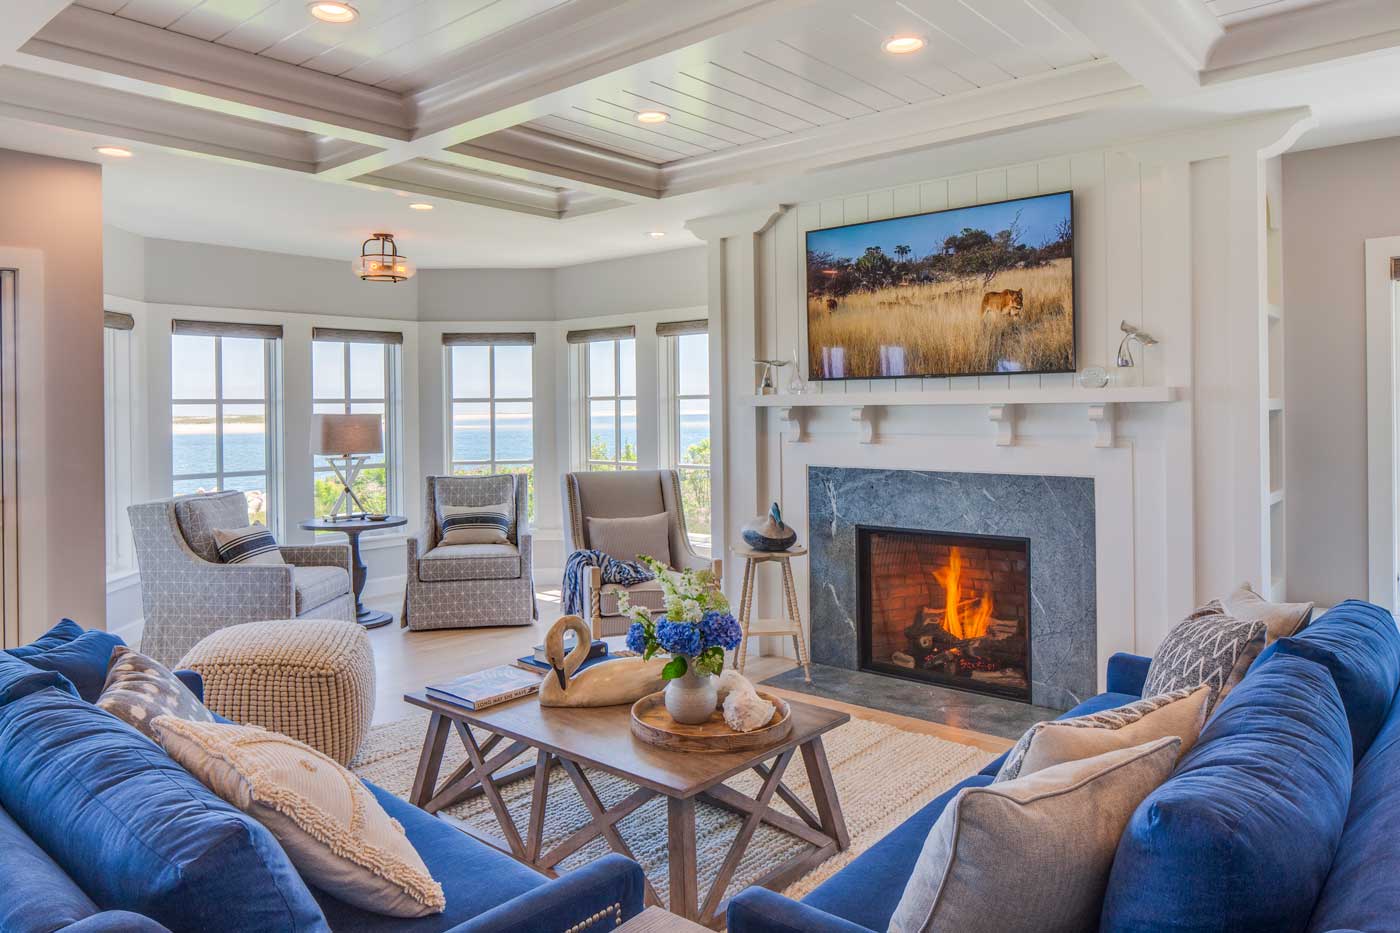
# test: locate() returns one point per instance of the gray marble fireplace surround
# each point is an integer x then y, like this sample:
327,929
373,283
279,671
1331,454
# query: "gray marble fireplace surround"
1056,513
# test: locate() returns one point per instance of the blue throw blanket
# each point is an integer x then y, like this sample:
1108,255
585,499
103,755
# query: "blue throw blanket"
623,572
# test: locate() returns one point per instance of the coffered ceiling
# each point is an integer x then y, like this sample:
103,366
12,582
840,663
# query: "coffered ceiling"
531,106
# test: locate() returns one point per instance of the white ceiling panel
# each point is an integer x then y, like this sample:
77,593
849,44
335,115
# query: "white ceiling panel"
1239,11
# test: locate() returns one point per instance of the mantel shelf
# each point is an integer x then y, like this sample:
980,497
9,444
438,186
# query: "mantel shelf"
1027,396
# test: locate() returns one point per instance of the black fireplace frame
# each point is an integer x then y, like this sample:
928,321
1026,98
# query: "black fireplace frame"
864,623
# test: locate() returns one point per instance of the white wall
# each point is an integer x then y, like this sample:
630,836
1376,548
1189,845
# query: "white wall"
1334,200
674,279
485,295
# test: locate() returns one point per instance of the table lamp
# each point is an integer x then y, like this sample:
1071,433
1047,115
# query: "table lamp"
345,441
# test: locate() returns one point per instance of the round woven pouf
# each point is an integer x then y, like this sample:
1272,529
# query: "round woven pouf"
311,679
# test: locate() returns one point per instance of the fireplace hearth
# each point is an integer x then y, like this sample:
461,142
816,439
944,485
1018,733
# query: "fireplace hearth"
951,609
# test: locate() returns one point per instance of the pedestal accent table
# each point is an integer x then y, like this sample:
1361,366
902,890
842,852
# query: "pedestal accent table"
352,528
791,623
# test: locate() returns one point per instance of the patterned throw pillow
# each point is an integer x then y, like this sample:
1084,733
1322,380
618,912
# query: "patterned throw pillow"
1180,713
334,831
1207,647
139,689
474,524
251,545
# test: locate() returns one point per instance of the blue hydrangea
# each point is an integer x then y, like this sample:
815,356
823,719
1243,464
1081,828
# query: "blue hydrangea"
720,628
679,637
636,638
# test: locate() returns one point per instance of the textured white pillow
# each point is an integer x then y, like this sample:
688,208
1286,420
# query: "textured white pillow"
334,831
1033,854
629,538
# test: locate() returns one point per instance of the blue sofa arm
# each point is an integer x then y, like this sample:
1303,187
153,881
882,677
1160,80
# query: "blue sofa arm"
593,895
1127,673
759,910
115,921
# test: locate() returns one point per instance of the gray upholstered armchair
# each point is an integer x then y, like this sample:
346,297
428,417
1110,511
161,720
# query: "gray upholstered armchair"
472,585
188,593
626,494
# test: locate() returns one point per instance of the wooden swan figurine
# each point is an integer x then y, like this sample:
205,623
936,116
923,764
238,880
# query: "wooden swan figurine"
608,683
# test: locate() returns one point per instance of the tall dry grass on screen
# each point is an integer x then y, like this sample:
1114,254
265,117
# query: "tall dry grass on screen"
942,330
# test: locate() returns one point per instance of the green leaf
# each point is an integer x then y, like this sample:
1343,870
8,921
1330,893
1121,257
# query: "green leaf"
674,668
710,661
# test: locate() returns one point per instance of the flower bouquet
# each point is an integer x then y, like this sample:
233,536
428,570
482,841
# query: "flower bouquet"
695,631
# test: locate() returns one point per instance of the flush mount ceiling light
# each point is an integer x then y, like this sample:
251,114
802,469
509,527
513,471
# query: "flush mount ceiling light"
116,152
652,116
420,206
381,261
903,45
328,12
657,234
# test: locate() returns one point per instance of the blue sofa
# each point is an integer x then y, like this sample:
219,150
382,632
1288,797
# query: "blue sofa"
1285,816
100,832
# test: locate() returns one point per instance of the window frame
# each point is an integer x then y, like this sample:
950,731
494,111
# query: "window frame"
671,405
388,463
493,465
272,425
616,464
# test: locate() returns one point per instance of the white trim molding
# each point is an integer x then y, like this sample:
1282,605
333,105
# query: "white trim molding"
1382,493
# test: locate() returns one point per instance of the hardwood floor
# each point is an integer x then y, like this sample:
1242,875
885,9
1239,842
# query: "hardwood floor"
405,661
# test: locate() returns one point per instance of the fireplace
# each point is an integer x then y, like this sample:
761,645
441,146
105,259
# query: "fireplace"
946,609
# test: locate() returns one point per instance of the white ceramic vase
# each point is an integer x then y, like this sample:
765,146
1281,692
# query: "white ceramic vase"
691,698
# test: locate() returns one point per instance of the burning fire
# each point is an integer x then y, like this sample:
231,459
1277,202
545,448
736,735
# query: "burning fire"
962,618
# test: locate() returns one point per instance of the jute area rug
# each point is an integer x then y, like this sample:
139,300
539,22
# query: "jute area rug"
883,775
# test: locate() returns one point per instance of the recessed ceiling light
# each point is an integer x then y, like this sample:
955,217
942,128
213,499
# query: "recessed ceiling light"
657,234
421,206
652,116
328,12
116,152
903,45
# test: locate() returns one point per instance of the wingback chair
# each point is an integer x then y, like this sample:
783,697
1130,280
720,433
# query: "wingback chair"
626,494
188,593
472,585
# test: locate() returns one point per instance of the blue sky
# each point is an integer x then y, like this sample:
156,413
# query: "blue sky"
925,233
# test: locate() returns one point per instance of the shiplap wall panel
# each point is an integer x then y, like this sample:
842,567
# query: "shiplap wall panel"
1123,181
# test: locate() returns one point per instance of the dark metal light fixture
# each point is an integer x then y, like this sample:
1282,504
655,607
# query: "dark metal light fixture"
381,261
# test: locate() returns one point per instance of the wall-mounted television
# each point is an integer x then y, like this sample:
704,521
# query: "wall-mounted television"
972,291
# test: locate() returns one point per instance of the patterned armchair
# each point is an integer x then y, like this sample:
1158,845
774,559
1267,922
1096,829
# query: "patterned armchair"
626,494
187,593
472,585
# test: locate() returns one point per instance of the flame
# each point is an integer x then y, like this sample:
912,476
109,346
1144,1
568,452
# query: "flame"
962,619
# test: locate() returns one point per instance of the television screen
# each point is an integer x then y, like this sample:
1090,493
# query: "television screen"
967,292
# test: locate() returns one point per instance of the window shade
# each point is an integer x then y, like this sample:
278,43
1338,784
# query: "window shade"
356,336
481,340
601,333
681,328
116,320
225,329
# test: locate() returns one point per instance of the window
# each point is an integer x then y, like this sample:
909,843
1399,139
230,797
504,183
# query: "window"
355,373
686,380
610,375
492,381
220,425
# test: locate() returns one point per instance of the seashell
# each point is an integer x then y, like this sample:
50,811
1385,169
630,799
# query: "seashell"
745,710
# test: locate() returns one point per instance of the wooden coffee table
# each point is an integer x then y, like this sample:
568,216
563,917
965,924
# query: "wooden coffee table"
601,738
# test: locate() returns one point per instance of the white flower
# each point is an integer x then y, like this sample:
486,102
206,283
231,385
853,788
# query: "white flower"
691,609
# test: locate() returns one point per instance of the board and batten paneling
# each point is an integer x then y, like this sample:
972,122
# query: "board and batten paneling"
1111,189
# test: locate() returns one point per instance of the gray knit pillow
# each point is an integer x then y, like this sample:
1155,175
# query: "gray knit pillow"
139,689
1207,647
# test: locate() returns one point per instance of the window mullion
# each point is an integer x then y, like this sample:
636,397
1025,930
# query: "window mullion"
219,413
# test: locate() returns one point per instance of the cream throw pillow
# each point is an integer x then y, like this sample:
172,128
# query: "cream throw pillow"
1181,713
1281,619
334,831
475,524
1031,855
629,538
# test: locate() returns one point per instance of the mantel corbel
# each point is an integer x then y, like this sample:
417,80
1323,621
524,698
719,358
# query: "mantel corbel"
1004,417
863,417
1102,416
793,426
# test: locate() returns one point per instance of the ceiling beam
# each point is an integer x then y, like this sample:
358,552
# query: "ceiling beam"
1305,36
24,18
1164,44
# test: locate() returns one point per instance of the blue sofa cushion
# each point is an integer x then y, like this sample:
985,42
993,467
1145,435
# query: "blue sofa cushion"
1360,645
36,896
82,660
868,890
474,876
1363,890
1241,836
61,634
134,830
1096,704
19,678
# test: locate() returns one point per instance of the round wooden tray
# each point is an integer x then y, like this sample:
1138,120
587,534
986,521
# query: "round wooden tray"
653,725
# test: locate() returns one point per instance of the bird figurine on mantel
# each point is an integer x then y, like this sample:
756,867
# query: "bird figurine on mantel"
608,683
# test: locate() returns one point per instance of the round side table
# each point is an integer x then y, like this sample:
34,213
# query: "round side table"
352,528
791,623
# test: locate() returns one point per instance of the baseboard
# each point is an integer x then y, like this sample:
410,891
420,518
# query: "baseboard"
384,586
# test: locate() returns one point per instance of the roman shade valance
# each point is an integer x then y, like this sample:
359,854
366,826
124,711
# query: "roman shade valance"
682,328
520,339
225,329
601,333
349,335
116,320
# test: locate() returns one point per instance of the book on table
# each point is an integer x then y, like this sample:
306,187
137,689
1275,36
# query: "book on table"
487,688
596,650
528,663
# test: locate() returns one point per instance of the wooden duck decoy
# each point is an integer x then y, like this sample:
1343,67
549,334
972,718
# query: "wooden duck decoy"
608,683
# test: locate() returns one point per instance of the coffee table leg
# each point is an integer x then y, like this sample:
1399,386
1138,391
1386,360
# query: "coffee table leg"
430,762
534,835
493,796
824,792
680,856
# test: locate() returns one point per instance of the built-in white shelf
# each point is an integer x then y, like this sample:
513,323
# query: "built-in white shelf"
1001,405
